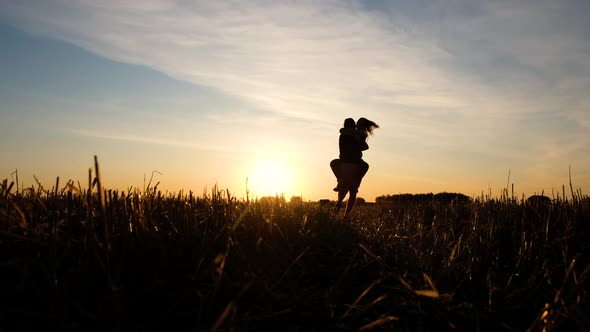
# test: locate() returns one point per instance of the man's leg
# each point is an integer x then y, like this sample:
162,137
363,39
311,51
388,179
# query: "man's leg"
341,195
351,201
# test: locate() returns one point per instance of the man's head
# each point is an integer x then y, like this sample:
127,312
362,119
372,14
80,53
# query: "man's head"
349,123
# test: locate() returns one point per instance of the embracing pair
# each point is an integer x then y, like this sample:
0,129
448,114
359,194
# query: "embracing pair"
350,168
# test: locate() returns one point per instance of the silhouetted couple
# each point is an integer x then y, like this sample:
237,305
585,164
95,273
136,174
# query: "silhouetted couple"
350,168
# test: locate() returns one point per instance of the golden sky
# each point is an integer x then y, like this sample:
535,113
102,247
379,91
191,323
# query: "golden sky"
216,93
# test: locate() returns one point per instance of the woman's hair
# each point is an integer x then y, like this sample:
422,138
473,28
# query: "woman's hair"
349,123
366,126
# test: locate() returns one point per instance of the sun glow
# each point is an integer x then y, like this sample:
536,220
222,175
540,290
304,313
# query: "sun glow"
270,177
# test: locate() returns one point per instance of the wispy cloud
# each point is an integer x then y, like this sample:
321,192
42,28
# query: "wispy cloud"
141,139
297,58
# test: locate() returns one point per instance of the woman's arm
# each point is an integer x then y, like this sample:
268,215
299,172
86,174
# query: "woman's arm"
364,146
361,137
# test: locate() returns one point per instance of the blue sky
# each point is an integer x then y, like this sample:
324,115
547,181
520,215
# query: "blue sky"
203,91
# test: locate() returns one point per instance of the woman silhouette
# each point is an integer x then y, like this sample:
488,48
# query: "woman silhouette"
350,168
365,128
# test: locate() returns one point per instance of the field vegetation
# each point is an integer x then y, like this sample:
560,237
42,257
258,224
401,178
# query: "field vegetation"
141,260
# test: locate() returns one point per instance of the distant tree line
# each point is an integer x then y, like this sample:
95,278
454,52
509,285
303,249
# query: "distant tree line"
359,201
443,197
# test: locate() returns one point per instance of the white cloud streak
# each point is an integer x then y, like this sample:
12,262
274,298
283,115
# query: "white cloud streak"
141,139
297,59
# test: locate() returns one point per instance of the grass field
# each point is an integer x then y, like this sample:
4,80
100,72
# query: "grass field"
102,260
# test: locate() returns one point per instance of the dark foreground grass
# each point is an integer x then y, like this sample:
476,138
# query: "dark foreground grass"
74,259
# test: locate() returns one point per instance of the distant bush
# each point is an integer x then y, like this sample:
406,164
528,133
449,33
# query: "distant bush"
444,197
538,200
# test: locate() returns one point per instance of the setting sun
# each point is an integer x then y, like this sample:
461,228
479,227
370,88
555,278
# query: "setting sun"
270,177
